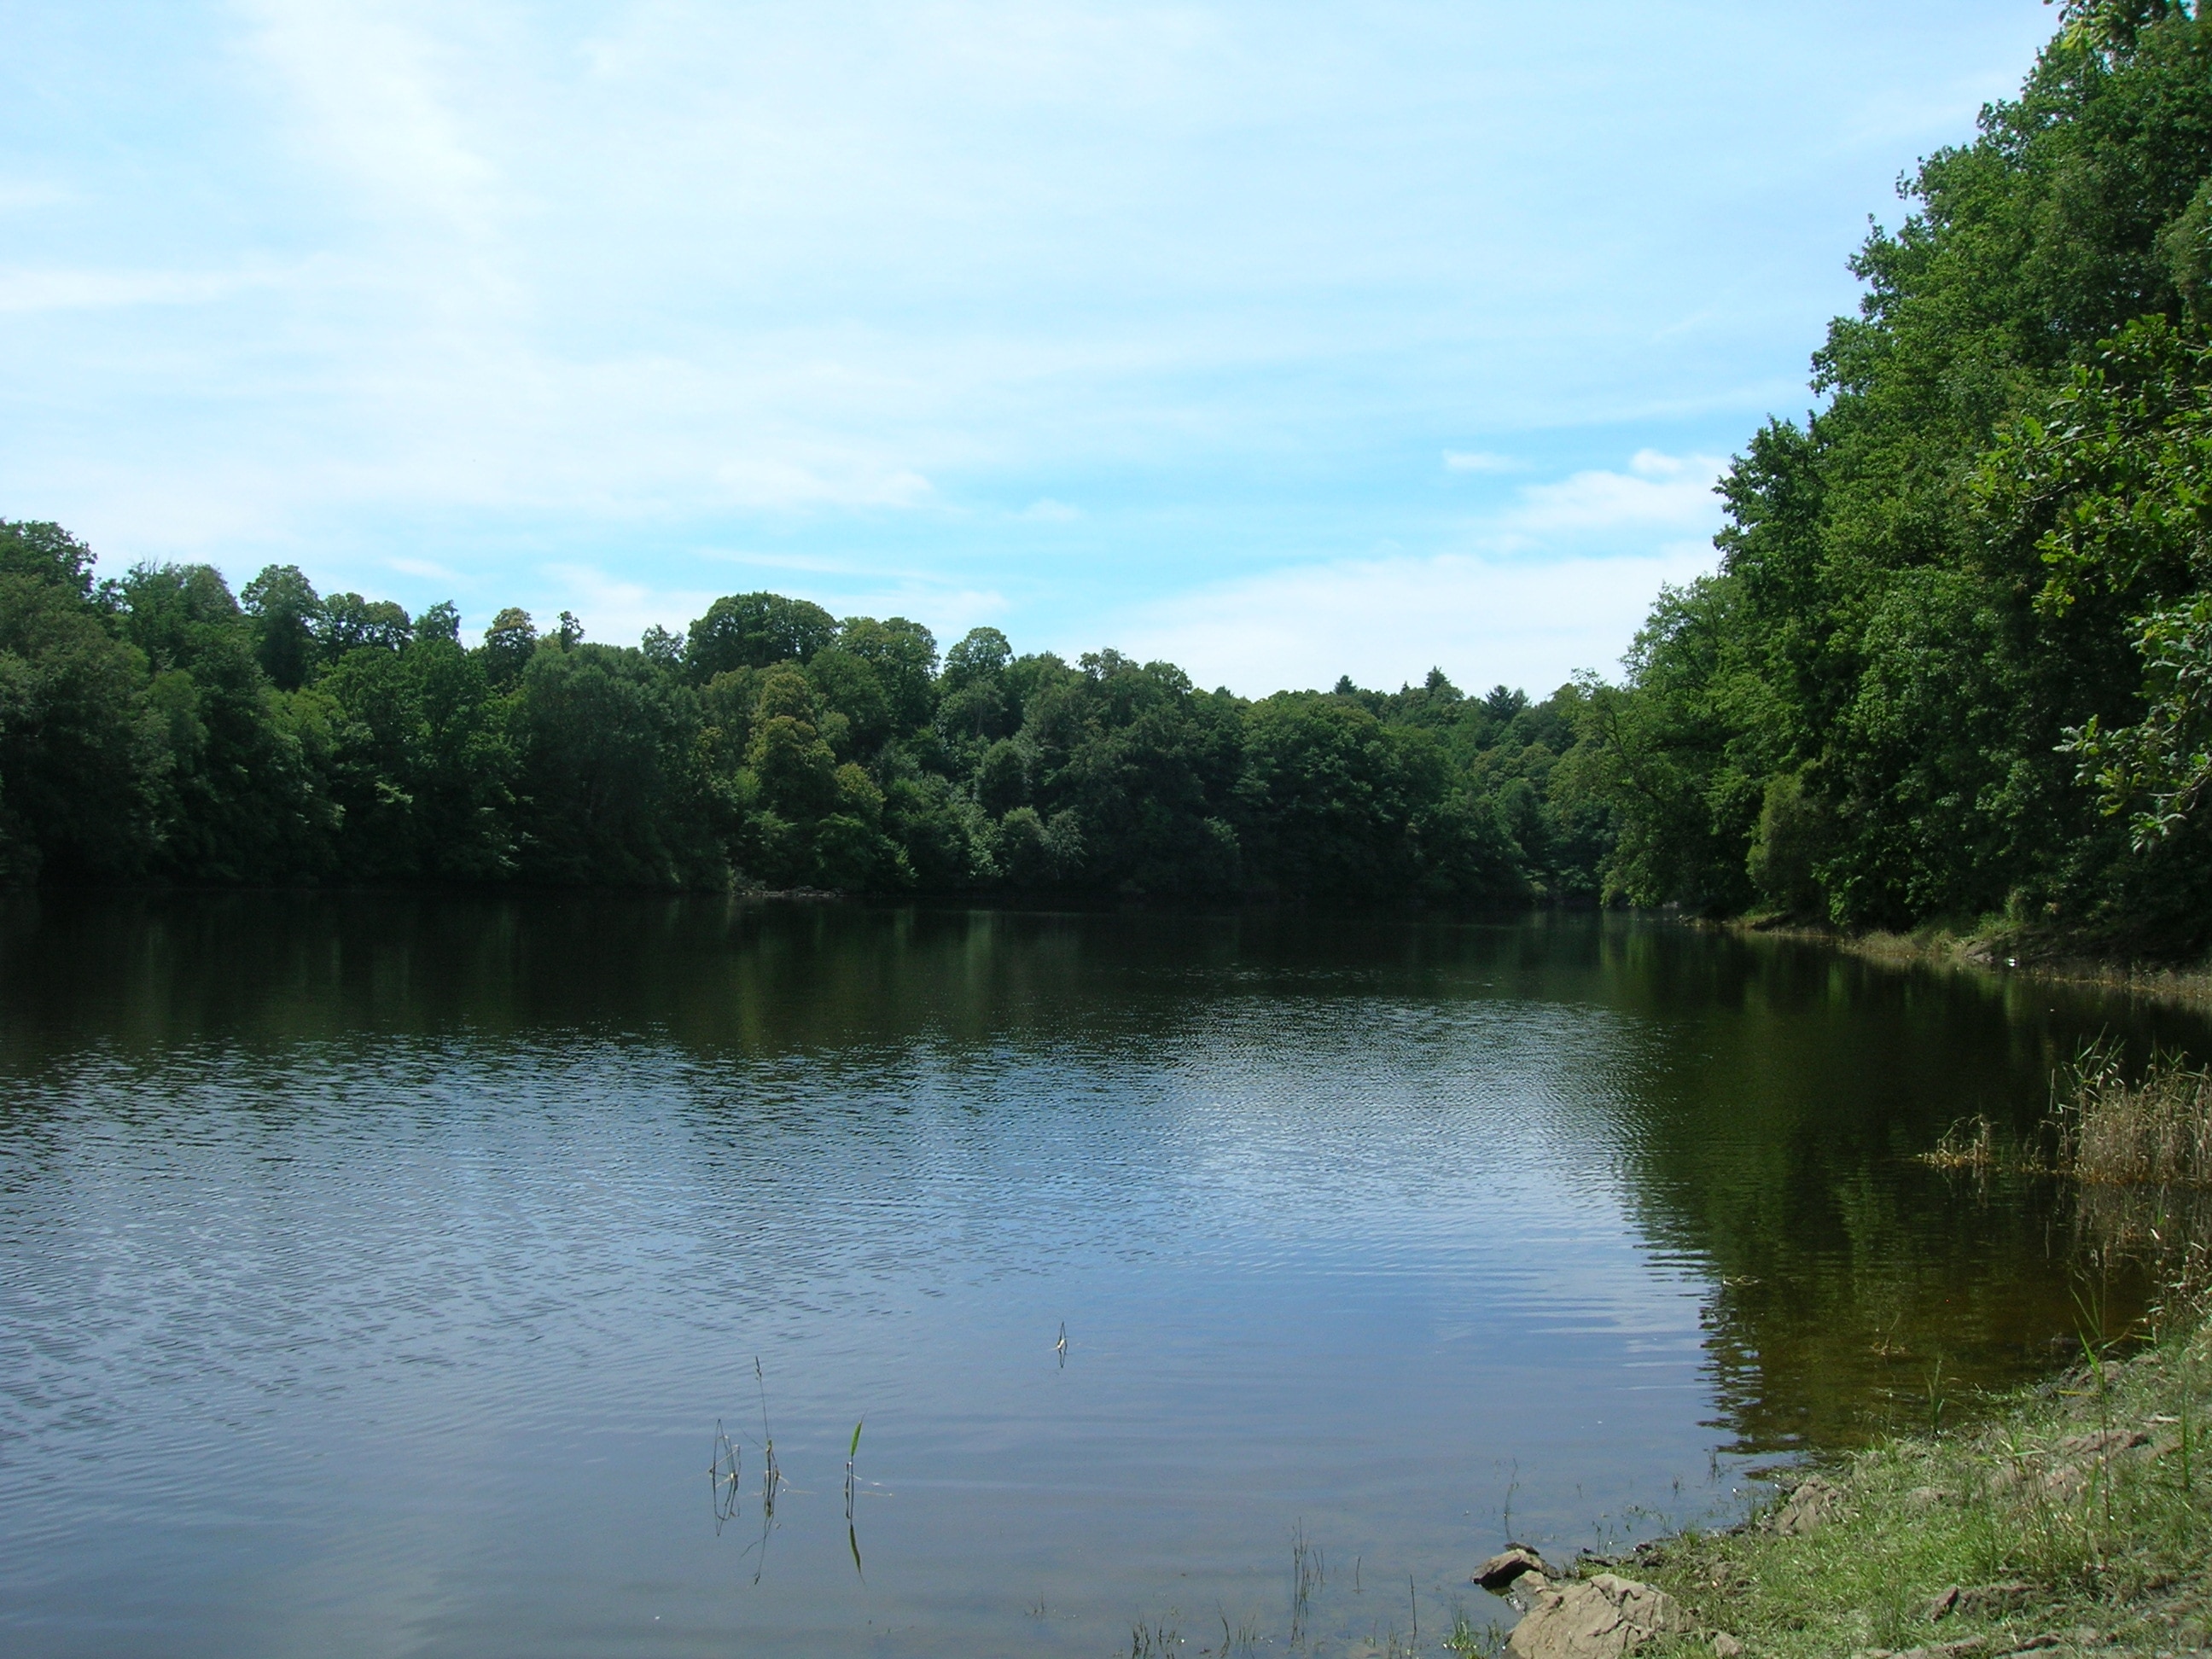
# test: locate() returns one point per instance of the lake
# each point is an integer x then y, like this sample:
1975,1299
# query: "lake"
405,1276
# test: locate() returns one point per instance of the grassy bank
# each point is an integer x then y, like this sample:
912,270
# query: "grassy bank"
2074,1516
2077,1517
2002,947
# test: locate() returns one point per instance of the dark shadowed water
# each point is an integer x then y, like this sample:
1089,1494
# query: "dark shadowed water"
374,1273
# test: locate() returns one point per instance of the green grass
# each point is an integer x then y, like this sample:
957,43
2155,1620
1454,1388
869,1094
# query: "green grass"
2112,1548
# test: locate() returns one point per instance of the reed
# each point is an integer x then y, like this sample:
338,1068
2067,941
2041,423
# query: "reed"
772,1474
852,1452
1309,1571
1970,1145
722,1477
2151,1130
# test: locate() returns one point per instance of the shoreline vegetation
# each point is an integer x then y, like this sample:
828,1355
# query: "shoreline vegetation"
1996,947
2071,1517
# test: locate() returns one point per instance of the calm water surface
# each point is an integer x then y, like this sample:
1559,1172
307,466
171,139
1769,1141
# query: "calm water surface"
374,1273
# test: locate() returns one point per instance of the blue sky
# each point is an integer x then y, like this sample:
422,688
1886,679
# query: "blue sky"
1282,340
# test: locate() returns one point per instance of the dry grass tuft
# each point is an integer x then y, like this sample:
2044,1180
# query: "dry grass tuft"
1970,1145
2154,1131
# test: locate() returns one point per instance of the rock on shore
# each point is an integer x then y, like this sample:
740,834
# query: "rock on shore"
1606,1617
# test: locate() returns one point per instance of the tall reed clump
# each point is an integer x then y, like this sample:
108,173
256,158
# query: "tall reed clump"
2156,1130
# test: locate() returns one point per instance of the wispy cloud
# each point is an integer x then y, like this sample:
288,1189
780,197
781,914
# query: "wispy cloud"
616,612
367,94
494,287
1562,577
16,194
1387,621
428,569
52,289
1657,491
782,483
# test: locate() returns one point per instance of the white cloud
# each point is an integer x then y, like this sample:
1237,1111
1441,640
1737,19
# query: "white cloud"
366,90
1559,581
1665,492
608,282
52,289
1386,621
617,612
782,482
1476,461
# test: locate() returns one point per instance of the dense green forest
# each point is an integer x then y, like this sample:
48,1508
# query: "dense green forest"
1955,662
159,727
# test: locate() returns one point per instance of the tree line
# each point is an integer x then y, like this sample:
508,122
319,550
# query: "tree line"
159,727
1955,662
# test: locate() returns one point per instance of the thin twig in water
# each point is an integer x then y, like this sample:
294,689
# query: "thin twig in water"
1307,1575
722,1473
773,1476
771,1479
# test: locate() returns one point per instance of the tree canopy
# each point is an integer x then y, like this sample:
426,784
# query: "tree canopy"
158,728
1956,659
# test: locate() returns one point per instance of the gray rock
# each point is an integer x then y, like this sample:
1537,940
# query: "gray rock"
1499,1571
1813,1505
1606,1617
1726,1646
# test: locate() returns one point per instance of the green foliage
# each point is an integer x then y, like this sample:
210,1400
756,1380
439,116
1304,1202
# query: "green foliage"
609,783
287,619
155,727
421,765
509,645
242,799
1340,806
47,555
1957,659
1787,847
752,631
1953,635
2080,1508
903,655
82,759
